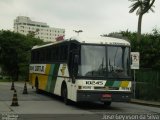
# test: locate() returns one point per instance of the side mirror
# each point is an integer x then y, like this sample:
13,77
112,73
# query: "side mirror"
76,59
75,65
73,79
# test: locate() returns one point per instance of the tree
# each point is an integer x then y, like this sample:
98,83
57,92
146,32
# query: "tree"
15,51
142,7
149,48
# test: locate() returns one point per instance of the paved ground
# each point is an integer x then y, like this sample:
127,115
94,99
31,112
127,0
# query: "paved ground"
148,103
46,107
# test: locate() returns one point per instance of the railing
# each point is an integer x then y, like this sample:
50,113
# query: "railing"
148,84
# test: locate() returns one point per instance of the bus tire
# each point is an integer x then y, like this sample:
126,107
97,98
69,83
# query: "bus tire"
37,85
108,103
64,94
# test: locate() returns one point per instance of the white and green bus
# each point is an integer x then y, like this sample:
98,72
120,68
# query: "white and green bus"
83,69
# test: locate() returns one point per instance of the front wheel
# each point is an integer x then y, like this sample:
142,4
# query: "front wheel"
65,95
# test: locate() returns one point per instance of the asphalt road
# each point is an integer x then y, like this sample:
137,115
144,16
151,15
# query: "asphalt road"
44,106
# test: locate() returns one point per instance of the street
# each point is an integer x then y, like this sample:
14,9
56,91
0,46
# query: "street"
33,106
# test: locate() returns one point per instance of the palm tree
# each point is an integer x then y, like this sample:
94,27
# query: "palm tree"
142,7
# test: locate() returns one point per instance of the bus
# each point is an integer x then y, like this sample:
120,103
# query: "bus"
83,69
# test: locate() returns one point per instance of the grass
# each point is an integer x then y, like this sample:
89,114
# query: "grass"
5,80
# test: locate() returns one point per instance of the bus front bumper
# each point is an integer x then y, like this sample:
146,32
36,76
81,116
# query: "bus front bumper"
103,96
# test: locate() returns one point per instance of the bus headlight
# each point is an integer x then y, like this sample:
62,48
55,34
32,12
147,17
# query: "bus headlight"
79,87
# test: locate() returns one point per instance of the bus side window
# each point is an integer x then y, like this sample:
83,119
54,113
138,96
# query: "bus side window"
57,53
54,54
48,55
37,55
41,57
64,51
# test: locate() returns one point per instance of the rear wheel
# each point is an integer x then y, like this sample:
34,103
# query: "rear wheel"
37,85
108,103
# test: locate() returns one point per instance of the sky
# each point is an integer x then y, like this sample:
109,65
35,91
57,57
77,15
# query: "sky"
94,17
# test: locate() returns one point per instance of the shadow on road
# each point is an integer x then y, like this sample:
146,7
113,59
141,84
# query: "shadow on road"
81,105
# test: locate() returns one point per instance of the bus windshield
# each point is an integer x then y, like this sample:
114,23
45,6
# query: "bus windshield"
102,61
93,61
118,62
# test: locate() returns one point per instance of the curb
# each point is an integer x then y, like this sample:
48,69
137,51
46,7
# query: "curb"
147,103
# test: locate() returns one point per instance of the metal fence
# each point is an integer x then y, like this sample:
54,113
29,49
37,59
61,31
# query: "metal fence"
148,84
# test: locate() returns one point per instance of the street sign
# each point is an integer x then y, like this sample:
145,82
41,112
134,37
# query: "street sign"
135,56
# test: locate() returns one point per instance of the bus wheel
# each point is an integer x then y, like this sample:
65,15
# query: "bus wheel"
65,94
108,103
37,85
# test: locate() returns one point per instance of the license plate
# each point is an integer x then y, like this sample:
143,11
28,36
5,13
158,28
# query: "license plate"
106,95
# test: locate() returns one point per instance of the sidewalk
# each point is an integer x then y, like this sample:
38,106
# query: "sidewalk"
143,102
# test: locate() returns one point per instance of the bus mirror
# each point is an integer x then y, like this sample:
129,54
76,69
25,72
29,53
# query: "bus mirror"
73,79
75,65
76,59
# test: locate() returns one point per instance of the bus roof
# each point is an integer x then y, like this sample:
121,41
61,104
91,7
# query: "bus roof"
49,44
101,40
90,40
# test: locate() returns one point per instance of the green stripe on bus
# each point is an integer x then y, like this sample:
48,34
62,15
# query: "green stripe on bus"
109,83
54,79
50,77
116,84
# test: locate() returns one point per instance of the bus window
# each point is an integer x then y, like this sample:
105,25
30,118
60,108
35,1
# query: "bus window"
118,58
93,61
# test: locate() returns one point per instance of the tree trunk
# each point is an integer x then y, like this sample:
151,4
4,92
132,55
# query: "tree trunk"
139,28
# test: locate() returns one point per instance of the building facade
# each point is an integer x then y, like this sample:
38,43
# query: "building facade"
25,25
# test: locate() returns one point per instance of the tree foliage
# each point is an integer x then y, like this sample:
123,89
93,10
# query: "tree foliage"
149,48
142,7
15,51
